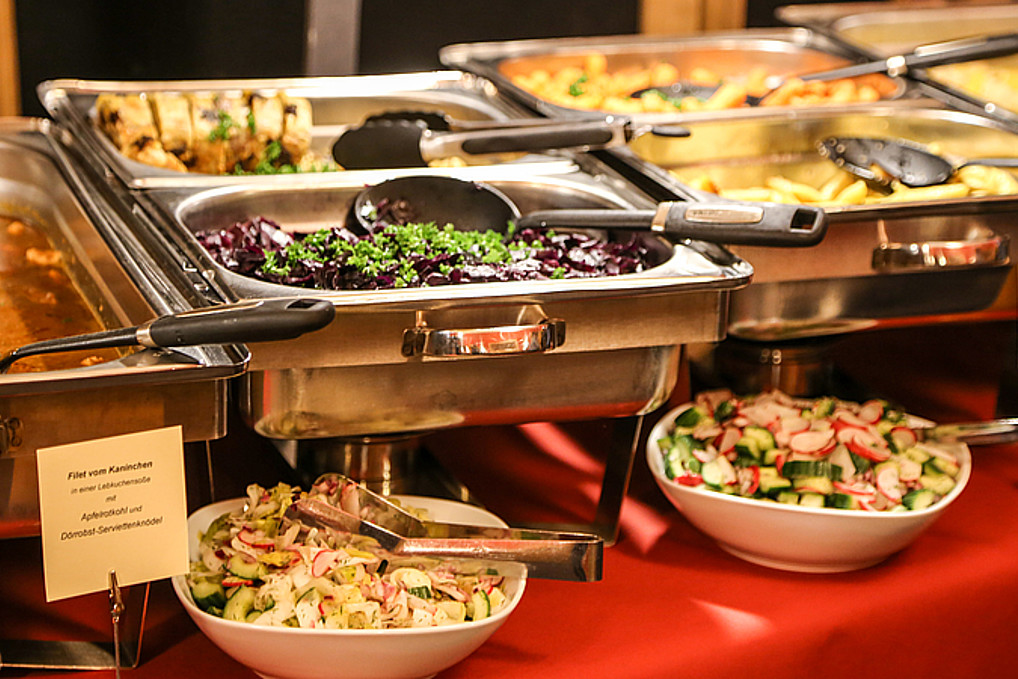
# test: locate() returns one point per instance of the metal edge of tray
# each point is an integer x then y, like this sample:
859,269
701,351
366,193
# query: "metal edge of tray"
662,185
725,271
831,20
484,59
58,97
142,367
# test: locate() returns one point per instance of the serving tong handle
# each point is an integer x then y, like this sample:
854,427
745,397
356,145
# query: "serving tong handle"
547,554
257,321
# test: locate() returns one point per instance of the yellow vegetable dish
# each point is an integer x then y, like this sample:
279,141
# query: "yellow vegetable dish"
845,189
592,86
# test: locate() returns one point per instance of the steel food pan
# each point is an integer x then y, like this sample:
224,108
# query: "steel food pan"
337,103
614,342
988,86
731,54
850,280
135,391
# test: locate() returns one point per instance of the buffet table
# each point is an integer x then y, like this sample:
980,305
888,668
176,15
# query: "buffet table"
671,602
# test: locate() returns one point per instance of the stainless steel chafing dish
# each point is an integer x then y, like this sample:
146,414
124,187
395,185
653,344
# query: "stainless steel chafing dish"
878,261
337,104
122,285
781,51
516,351
549,345
887,28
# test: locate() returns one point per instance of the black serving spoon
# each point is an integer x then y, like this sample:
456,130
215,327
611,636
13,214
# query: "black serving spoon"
477,206
910,163
926,56
401,140
257,321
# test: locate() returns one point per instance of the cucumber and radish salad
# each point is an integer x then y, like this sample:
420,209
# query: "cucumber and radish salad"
811,453
259,567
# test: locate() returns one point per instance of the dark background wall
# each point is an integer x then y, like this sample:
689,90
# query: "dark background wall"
187,39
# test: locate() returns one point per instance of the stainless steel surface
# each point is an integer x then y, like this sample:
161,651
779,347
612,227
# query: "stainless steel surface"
337,104
885,28
142,390
353,378
547,334
782,51
350,507
988,433
836,286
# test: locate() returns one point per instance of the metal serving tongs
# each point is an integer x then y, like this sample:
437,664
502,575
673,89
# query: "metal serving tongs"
355,509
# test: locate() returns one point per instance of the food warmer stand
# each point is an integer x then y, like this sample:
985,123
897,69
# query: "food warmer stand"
870,271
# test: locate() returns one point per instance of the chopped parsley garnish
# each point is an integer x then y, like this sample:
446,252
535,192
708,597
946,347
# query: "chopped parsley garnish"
221,132
576,87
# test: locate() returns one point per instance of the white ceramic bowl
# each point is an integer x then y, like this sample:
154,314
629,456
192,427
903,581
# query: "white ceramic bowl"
797,538
351,654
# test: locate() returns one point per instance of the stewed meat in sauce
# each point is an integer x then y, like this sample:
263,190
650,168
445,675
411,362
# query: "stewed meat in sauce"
39,301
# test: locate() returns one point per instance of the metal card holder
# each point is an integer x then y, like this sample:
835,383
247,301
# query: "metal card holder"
128,621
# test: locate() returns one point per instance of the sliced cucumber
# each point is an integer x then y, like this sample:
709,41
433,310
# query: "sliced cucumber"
942,484
763,437
788,498
811,500
814,485
771,481
691,416
243,566
208,594
800,469
919,499
843,501
240,603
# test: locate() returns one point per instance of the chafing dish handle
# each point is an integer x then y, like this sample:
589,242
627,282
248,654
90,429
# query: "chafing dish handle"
989,251
546,335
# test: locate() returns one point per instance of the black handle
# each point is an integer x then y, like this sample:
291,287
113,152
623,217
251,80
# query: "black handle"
598,133
732,223
276,319
264,321
770,224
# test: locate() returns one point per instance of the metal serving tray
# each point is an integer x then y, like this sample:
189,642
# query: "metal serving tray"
887,28
142,390
783,51
849,281
360,376
337,104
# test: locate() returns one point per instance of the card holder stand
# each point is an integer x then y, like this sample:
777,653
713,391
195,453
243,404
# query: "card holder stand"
128,621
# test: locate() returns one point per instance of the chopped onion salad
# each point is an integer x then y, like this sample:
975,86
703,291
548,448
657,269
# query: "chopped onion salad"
257,566
817,453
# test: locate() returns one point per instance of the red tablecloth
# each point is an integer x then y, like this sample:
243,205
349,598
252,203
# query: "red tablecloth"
672,603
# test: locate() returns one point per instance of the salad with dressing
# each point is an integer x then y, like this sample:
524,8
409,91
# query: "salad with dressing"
257,566
811,453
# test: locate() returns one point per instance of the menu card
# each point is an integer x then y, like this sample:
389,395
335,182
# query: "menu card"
116,503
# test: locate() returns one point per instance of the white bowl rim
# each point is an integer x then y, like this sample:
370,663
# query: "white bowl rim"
183,592
653,452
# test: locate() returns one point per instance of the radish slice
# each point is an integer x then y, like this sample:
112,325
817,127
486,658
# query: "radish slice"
812,442
903,438
871,412
861,490
726,441
887,483
704,456
794,425
868,445
849,418
323,562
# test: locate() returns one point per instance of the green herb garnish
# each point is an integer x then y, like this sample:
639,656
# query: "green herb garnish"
221,132
576,87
